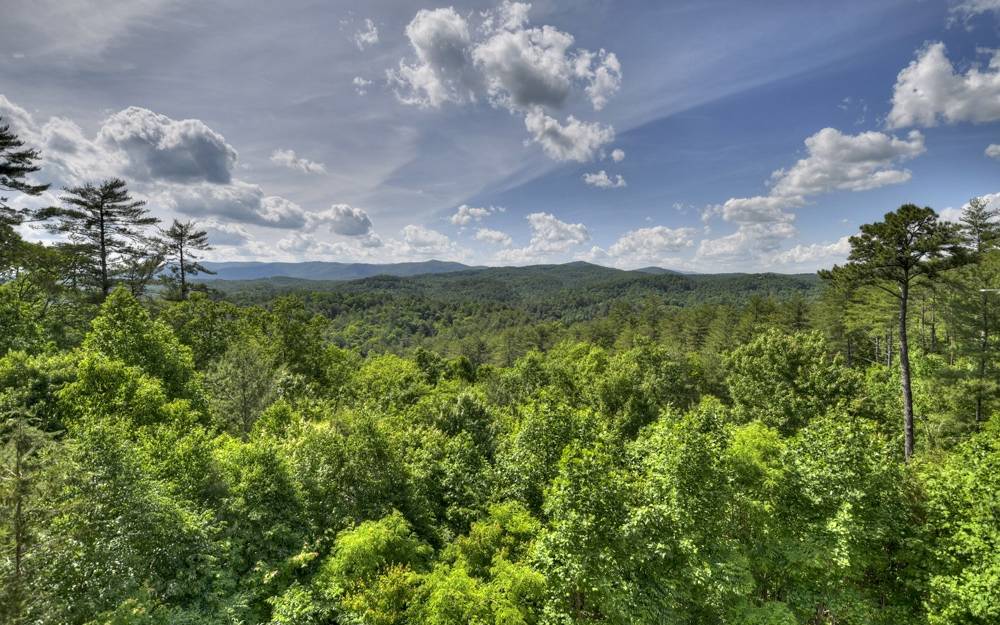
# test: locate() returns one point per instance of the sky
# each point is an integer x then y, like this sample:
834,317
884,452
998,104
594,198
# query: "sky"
699,136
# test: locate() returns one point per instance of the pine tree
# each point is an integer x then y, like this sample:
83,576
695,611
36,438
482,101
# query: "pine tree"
981,231
104,222
909,244
16,164
182,241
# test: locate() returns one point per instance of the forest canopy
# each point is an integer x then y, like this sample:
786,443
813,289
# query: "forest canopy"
562,444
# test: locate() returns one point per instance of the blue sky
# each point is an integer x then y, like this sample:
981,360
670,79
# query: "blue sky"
707,136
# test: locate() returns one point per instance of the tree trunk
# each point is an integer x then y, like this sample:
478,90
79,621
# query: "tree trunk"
105,283
183,277
904,369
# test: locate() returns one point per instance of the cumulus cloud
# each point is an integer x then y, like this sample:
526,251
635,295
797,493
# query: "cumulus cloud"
134,143
442,71
993,150
160,148
240,202
758,209
303,245
226,234
367,36
815,254
180,166
929,90
840,162
656,245
835,162
601,180
494,236
466,214
343,219
549,236
510,64
748,243
573,141
618,155
289,159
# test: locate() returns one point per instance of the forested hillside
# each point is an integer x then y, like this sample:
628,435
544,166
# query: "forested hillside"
564,444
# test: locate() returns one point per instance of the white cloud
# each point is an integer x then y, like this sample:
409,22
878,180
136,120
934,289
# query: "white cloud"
968,9
221,233
443,70
239,201
494,236
601,180
361,85
180,166
573,141
929,90
993,150
835,162
618,155
656,245
605,78
523,69
305,246
160,148
466,214
343,219
288,158
549,236
840,162
134,143
815,254
757,209
422,238
420,242
367,36
747,244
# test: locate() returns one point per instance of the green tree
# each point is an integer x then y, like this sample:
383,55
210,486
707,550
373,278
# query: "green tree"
24,448
908,245
242,383
125,331
104,222
17,163
182,241
786,380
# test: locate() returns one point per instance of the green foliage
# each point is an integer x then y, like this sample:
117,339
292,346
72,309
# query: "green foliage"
786,380
963,497
547,445
125,331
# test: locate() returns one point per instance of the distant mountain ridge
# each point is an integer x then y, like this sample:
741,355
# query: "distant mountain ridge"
335,271
571,290
324,270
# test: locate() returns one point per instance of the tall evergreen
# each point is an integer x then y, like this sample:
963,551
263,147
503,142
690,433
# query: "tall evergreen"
16,164
982,235
182,241
909,244
104,222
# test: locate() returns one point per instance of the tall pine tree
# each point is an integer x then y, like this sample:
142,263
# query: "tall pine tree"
181,243
16,164
104,223
910,243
